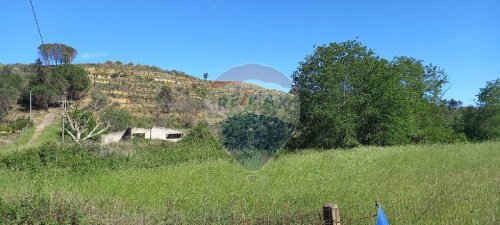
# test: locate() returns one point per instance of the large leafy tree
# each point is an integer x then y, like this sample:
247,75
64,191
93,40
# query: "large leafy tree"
349,96
483,122
76,77
44,86
325,85
48,84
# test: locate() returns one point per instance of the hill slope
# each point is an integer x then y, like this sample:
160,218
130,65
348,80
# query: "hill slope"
136,88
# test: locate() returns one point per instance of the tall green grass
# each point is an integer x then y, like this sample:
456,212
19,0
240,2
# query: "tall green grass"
19,142
51,133
197,182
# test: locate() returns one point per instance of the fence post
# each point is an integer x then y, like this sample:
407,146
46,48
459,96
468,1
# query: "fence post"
331,215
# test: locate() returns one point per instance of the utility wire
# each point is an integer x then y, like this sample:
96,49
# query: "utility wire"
36,21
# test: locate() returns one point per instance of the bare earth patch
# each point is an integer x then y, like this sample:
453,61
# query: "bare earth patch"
41,125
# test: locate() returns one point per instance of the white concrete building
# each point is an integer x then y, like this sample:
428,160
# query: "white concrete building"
155,133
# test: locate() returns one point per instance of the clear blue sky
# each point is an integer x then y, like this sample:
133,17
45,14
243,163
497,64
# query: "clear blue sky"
463,37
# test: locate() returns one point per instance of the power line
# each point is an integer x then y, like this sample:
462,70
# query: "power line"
36,21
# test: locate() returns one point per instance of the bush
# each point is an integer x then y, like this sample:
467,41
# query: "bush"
255,132
16,125
118,118
73,158
5,129
199,132
98,100
21,123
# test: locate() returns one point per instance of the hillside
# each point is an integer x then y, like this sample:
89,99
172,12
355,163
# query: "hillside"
136,87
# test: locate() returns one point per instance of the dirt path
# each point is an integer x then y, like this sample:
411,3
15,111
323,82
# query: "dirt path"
47,120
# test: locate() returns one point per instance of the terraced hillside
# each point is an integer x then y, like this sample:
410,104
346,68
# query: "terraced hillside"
136,88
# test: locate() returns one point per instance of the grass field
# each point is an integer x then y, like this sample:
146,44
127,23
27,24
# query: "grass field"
198,182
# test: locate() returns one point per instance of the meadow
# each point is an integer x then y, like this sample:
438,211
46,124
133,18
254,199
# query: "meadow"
197,181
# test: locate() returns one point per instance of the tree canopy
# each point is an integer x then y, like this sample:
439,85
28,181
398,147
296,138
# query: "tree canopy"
483,123
48,84
54,54
350,96
10,89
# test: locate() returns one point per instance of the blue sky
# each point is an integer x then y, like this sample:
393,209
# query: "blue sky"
463,37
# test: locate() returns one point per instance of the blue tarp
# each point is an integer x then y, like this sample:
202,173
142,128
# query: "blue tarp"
381,218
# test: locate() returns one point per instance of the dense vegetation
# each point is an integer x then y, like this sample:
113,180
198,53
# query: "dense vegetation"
349,96
483,123
49,84
10,89
252,139
253,131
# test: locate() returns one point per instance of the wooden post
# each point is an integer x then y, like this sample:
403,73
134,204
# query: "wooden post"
331,215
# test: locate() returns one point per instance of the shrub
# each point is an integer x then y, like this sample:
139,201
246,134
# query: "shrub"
199,132
73,158
255,132
5,129
98,100
118,118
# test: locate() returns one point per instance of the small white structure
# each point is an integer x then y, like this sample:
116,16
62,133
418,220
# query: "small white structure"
155,133
114,137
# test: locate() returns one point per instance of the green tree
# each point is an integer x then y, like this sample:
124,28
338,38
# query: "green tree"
429,121
483,123
48,84
117,118
325,89
435,78
10,89
76,77
490,94
54,54
349,96
44,86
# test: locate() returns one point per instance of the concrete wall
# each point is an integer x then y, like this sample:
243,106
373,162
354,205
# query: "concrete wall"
156,133
114,137
160,133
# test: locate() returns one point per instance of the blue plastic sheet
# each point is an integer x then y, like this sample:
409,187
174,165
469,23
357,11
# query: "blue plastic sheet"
381,218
